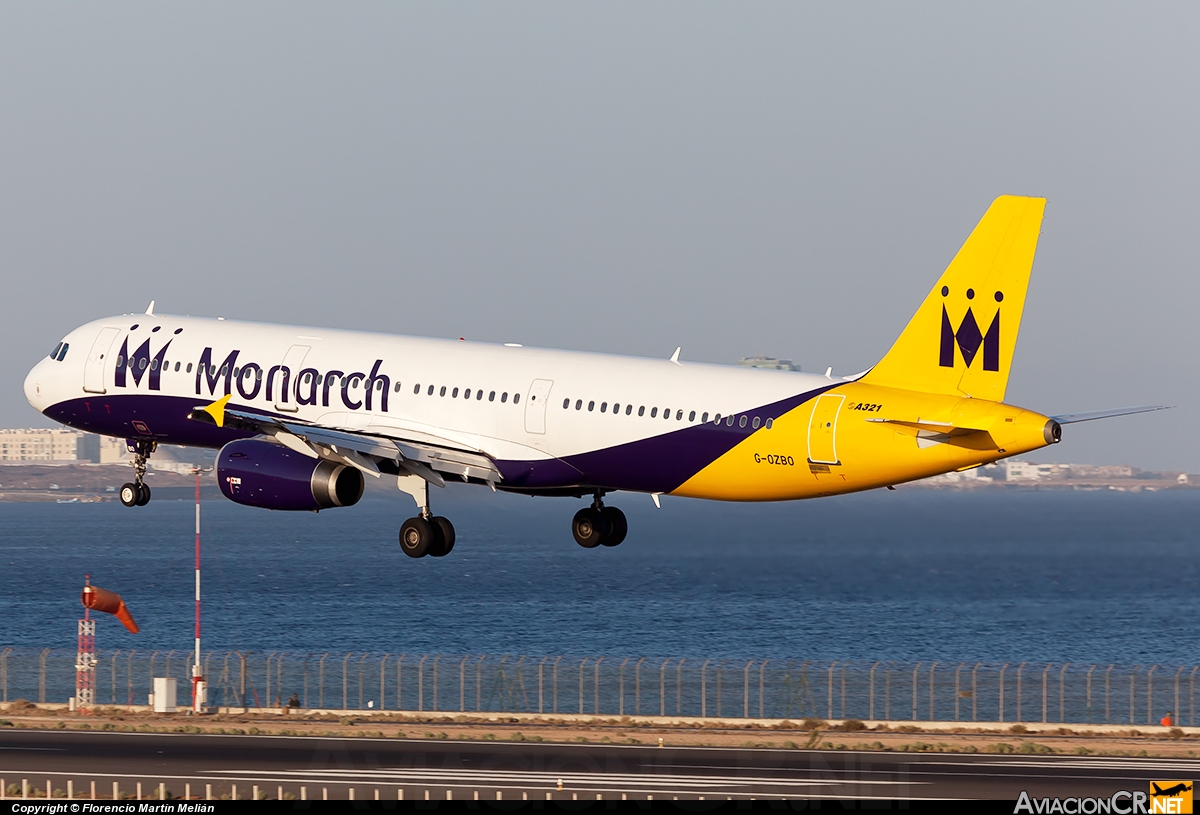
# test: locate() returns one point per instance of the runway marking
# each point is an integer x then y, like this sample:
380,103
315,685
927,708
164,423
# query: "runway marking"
551,778
39,749
444,784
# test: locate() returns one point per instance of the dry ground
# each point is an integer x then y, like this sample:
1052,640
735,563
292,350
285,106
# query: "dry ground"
808,734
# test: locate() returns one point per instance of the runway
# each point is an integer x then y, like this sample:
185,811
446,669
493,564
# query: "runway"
340,768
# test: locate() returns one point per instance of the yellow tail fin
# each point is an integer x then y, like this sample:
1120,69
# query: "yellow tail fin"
961,339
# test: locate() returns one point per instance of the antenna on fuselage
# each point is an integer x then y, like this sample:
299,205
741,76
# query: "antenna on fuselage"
150,308
675,356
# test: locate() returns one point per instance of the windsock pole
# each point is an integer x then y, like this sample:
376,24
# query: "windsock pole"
85,661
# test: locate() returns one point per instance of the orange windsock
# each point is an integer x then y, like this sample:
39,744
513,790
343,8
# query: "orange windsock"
109,602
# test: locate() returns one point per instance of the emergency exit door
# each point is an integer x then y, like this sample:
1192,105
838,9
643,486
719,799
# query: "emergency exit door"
535,406
822,429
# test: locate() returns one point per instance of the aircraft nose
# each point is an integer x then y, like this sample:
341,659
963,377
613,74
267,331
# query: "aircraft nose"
36,386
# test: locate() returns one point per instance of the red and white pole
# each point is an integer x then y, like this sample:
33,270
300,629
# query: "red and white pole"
199,687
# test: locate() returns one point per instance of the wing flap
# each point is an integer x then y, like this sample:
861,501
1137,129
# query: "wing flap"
419,453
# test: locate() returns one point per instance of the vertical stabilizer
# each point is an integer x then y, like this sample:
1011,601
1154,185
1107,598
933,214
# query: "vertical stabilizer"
961,339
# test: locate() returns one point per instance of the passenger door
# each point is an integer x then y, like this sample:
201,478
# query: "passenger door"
93,371
535,406
293,361
822,429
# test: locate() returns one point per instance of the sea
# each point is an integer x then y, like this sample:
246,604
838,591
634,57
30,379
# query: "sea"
913,574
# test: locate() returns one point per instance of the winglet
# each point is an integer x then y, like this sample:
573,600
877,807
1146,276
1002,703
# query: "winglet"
150,308
217,410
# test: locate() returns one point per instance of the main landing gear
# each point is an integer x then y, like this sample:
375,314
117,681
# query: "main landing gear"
427,534
136,493
599,525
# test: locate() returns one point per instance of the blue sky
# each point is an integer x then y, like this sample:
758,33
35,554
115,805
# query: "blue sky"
783,179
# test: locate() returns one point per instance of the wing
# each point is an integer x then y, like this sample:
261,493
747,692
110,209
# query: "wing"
428,456
1072,418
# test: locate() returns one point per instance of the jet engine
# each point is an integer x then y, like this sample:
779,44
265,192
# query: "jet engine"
263,474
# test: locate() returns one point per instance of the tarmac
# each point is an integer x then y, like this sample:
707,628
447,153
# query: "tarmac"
216,766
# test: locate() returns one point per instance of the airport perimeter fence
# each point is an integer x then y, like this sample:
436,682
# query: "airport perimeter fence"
793,689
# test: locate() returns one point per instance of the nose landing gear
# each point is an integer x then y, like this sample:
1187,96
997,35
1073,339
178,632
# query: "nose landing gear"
136,493
599,525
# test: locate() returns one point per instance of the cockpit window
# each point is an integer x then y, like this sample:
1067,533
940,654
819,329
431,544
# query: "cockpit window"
62,354
54,353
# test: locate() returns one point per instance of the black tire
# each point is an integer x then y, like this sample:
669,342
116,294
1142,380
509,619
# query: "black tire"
130,494
620,527
590,527
445,534
416,537
143,495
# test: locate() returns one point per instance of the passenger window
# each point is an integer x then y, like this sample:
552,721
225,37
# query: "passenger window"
755,423
566,403
679,415
417,388
224,370
257,374
692,416
616,407
578,404
591,406
504,397
628,409
717,419
396,389
603,406
769,423
729,421
120,361
666,413
642,410
236,372
453,394
154,364
318,379
516,398
704,417
492,396
478,395
467,393
142,364
742,422
429,391
442,392
189,368
177,369
654,413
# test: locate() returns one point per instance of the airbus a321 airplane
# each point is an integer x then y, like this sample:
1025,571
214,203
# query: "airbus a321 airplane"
301,415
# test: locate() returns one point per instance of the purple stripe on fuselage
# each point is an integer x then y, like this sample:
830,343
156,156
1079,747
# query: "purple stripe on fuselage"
164,416
657,464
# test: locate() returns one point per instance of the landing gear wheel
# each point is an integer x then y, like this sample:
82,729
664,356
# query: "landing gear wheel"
590,527
620,527
417,536
143,495
445,534
130,494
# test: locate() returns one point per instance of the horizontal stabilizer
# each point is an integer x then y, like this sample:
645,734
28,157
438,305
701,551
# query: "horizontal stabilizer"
1072,418
945,428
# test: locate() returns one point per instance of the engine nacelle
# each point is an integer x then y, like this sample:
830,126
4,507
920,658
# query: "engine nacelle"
267,475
